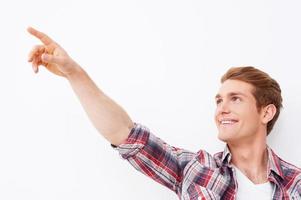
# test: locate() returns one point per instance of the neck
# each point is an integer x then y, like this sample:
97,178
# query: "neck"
251,159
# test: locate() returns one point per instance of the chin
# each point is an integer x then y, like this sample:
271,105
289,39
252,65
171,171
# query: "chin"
224,137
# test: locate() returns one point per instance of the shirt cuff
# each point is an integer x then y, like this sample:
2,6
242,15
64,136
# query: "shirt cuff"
136,140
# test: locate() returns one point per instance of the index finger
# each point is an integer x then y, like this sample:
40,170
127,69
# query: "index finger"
41,36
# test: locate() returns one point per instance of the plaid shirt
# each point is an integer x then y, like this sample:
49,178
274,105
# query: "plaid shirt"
200,176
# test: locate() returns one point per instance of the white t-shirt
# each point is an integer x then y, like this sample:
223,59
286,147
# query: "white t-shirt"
248,190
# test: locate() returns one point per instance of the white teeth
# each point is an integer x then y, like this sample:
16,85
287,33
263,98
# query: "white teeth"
228,122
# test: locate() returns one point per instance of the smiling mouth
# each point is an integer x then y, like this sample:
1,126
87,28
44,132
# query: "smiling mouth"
228,122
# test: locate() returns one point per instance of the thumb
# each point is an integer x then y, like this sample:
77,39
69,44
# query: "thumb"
48,58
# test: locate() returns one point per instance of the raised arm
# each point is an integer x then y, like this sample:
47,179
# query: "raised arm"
106,115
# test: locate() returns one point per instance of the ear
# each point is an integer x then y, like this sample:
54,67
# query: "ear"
268,112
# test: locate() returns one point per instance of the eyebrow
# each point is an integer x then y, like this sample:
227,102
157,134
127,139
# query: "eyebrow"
231,94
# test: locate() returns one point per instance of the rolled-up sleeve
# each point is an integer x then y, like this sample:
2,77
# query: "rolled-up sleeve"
136,140
155,158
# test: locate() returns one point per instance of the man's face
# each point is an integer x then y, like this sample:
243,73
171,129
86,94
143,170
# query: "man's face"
236,116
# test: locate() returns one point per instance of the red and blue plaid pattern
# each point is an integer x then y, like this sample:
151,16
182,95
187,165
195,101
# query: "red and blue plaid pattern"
195,176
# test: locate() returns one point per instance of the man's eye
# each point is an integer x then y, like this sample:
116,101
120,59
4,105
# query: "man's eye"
218,101
236,99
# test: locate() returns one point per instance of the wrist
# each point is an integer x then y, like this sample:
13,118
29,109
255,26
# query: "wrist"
75,73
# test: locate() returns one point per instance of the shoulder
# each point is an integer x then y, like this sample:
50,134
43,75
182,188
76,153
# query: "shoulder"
290,170
289,173
292,175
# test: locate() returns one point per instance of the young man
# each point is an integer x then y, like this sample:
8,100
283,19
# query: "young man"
248,105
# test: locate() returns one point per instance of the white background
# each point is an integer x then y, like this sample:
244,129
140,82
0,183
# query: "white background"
161,60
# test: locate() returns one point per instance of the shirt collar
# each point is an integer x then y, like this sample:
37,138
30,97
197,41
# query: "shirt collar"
274,162
226,158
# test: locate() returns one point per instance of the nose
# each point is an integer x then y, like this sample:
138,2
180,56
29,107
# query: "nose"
223,108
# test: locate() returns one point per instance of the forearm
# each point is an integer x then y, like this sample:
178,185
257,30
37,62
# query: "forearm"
107,116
